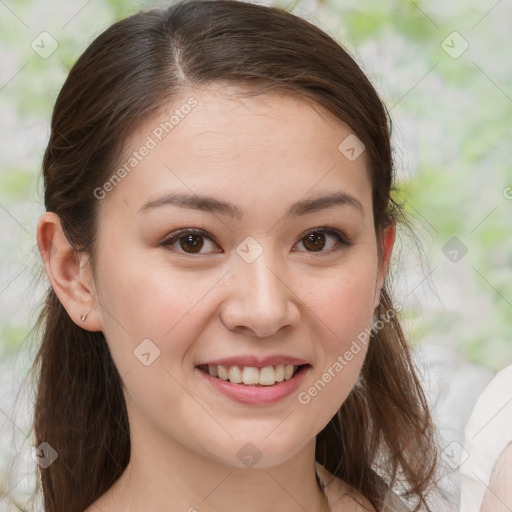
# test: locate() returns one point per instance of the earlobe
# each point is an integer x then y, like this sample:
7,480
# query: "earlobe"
69,273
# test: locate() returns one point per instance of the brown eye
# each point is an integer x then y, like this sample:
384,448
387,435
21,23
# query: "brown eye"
189,241
314,241
323,240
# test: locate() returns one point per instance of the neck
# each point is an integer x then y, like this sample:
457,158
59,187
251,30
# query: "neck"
163,475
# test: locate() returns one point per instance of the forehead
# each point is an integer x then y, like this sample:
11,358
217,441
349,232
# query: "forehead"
252,150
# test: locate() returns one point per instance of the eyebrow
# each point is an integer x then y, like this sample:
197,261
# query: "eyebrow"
213,205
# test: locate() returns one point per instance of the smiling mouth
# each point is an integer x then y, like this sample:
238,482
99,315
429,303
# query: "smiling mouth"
252,376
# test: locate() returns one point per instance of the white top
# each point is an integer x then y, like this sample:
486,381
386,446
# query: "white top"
336,489
488,432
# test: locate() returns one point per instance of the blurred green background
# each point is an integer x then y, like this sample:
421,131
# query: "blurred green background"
443,70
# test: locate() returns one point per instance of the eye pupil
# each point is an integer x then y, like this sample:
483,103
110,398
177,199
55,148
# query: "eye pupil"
314,241
195,241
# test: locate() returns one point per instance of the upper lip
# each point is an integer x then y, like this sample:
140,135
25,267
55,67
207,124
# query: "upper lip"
255,361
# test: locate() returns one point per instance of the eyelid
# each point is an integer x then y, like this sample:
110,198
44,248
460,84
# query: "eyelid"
340,235
187,231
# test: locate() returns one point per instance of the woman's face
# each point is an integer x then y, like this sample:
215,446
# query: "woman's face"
281,270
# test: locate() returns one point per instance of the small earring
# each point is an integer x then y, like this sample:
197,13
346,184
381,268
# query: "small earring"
84,316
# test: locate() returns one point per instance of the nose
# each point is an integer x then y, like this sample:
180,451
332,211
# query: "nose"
260,299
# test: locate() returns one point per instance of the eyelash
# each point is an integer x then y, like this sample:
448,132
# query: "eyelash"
177,235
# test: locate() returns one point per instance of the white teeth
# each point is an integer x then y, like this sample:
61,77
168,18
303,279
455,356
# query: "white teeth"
267,376
251,375
288,371
280,373
235,375
222,371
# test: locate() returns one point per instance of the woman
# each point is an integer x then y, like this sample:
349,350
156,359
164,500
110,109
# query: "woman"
219,329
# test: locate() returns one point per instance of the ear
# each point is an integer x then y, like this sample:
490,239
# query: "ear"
387,242
69,272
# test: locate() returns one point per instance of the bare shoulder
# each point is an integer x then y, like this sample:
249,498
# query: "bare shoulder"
498,496
111,499
340,496
344,498
95,507
102,504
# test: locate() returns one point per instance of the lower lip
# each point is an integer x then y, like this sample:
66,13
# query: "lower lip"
257,395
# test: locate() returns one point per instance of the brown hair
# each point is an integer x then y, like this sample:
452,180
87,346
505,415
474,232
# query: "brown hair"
131,70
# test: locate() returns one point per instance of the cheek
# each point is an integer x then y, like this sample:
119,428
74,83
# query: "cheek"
343,302
152,318
149,301
347,318
141,297
346,307
342,309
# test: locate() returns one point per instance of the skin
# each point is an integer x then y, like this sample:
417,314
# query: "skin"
262,154
498,496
